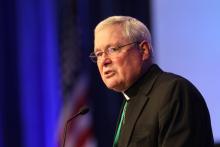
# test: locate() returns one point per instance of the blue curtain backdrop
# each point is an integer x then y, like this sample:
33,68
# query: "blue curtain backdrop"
29,77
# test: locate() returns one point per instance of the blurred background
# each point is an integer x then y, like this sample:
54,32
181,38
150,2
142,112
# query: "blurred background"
46,75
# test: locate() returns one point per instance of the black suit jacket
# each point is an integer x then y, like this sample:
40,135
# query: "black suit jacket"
165,110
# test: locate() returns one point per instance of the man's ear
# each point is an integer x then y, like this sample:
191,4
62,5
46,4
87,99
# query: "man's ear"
145,48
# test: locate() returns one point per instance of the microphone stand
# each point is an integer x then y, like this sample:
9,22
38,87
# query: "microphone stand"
83,111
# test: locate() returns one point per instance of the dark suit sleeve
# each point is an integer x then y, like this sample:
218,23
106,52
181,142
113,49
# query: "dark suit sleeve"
184,120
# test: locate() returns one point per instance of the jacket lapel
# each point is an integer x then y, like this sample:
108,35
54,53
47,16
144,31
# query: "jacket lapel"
133,111
139,98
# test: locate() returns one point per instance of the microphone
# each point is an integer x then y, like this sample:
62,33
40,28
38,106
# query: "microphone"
82,111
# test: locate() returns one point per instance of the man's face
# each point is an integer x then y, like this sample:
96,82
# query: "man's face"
121,71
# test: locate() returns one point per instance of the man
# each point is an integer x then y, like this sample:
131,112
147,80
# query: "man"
160,109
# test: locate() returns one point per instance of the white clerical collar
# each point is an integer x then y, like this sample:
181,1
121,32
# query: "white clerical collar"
126,97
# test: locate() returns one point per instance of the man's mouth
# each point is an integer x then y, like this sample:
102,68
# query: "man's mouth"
109,73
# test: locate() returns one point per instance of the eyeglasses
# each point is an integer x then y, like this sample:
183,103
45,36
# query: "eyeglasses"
111,52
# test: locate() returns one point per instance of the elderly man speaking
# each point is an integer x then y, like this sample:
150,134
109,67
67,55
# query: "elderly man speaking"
160,109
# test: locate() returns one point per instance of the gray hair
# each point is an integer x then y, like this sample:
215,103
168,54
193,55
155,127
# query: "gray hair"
132,28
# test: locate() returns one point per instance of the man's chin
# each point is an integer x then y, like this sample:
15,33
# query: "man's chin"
114,87
109,86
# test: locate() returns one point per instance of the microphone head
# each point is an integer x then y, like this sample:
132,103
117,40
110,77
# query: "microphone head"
84,110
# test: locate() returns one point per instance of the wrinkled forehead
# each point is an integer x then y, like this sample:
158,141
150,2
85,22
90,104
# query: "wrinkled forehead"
119,27
109,36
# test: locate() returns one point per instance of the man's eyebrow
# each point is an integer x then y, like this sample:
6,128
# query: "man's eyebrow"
96,49
107,46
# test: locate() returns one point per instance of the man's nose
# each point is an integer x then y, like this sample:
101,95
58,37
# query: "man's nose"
105,61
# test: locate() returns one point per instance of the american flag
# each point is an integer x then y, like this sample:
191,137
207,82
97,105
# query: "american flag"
79,130
75,83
